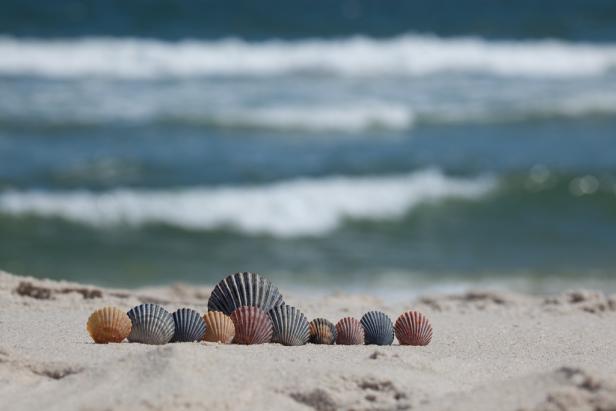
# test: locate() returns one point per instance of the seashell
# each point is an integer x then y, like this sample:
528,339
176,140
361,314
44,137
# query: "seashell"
378,328
244,289
152,324
322,331
219,328
413,328
252,326
109,324
189,326
290,326
349,332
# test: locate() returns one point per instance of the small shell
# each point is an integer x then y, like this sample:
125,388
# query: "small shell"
189,326
109,324
244,289
413,328
378,328
322,331
220,328
349,332
290,326
252,326
152,324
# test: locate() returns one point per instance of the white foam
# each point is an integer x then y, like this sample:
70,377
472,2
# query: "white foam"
403,55
288,208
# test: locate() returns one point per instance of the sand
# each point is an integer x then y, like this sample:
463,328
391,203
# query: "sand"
490,351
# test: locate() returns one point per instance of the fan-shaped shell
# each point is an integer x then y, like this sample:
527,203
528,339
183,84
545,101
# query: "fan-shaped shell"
189,326
252,326
322,331
349,332
290,326
244,289
378,328
413,328
109,324
152,324
220,328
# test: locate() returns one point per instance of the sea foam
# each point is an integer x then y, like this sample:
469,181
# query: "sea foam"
289,208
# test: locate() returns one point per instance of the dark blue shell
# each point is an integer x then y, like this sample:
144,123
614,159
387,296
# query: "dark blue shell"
378,328
290,326
152,324
189,325
244,289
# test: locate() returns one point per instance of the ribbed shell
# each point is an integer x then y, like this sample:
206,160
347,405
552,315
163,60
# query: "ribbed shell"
322,331
413,328
378,328
252,326
189,326
290,326
220,328
349,332
108,325
244,289
152,324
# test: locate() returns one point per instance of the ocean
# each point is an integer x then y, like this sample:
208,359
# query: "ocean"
349,145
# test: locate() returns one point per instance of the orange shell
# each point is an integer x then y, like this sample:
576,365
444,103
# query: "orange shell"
252,326
219,327
413,328
349,332
109,324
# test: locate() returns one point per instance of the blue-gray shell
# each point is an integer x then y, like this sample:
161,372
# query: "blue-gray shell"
244,289
378,328
152,324
189,325
290,326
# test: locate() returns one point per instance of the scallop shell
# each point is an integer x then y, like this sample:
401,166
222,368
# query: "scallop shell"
152,324
189,326
244,289
322,331
290,326
252,326
220,328
109,324
349,332
378,328
413,328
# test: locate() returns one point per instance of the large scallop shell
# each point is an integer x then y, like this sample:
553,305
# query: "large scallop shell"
413,328
378,328
189,326
349,332
322,331
109,324
290,326
152,324
252,326
244,289
220,328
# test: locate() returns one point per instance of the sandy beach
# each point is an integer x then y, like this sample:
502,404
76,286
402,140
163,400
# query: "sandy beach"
490,351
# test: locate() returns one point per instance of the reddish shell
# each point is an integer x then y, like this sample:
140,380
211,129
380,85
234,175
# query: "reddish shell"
252,326
220,328
413,328
349,332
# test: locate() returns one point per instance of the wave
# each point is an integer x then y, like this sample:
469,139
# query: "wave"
408,55
304,207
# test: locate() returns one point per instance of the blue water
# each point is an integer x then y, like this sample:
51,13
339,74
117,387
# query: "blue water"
334,144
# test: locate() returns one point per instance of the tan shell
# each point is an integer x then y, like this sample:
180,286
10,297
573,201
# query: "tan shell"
219,327
413,328
322,331
109,324
349,332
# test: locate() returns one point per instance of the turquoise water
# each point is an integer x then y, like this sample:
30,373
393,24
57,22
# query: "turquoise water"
376,151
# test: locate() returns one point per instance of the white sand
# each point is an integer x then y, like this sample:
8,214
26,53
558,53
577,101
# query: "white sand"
490,351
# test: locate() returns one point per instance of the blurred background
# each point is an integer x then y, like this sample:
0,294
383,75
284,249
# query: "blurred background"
359,145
